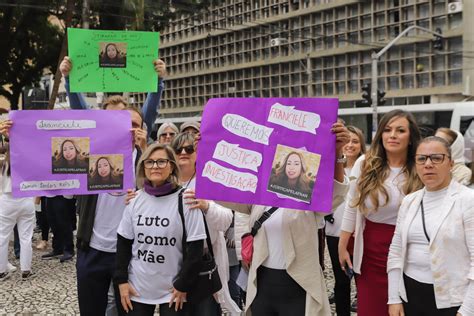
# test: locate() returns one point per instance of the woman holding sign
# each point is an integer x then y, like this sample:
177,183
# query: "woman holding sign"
285,277
218,219
385,175
150,266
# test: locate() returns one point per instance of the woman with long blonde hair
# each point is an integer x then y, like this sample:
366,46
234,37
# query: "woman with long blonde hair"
384,176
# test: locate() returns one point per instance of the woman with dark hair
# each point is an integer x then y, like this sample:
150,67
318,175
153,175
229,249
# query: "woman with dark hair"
431,259
342,288
69,158
151,269
292,175
112,57
384,176
104,173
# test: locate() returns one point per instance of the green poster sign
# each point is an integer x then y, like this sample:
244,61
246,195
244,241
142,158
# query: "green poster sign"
112,61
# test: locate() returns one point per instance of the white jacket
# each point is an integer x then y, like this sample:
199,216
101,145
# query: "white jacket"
451,246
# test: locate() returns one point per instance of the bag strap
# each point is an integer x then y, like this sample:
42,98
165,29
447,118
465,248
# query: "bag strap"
181,214
423,221
266,215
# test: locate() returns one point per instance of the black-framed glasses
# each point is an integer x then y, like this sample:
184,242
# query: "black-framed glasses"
435,158
187,149
160,163
168,135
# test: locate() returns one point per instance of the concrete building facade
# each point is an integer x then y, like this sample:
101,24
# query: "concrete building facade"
316,48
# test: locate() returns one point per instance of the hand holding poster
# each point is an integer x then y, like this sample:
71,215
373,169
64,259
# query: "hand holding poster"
272,151
70,152
112,61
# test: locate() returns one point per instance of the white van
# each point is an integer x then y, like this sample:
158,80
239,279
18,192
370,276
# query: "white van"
457,116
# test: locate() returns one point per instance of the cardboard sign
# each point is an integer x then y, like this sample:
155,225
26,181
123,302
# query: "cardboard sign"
112,61
268,151
70,152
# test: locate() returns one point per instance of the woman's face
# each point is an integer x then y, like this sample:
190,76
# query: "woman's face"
167,136
435,176
158,176
184,158
293,167
69,151
103,168
353,147
396,136
111,51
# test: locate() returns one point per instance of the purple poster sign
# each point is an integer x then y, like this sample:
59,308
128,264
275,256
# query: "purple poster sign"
268,151
70,152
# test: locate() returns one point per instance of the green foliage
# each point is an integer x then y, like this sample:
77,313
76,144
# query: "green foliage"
30,44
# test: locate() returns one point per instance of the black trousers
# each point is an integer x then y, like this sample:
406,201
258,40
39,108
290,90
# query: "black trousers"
342,287
59,211
421,300
42,220
205,308
95,270
278,294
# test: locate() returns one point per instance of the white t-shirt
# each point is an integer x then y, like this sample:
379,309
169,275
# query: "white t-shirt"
108,213
418,257
156,228
273,228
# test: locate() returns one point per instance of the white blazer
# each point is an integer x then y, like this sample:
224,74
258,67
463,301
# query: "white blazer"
451,246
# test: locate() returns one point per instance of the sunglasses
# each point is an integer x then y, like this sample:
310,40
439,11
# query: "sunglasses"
187,149
168,135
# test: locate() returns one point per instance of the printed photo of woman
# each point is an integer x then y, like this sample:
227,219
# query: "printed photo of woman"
113,57
68,156
104,174
291,177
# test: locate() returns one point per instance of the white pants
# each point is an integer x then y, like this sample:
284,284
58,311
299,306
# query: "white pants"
20,212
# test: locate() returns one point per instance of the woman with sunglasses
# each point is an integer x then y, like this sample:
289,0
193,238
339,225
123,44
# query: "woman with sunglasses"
218,219
431,259
166,133
150,266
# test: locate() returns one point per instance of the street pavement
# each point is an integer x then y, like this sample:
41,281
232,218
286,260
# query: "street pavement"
52,290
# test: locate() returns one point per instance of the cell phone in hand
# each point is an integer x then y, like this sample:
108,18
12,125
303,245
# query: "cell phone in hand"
348,271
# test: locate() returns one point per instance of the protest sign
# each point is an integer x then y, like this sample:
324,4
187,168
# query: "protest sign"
112,61
269,151
70,152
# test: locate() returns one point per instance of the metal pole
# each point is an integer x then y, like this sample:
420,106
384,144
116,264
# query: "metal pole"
375,75
374,88
309,72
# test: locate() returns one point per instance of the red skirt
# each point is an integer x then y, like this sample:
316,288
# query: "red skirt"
372,283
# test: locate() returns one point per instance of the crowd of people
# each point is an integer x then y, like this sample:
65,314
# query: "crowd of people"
402,225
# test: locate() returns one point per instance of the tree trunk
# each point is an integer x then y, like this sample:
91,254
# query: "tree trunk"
57,76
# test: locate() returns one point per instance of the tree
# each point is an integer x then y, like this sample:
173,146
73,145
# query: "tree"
29,44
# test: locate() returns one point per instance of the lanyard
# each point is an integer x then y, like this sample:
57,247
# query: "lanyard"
423,220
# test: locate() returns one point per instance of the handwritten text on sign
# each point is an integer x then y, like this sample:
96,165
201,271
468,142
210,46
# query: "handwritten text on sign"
295,120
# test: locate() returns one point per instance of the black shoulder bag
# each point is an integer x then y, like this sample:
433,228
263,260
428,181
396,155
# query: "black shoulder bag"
208,281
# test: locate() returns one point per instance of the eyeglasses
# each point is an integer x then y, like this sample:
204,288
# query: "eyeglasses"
160,163
187,149
435,158
168,135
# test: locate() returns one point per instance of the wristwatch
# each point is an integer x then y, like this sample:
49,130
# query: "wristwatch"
341,159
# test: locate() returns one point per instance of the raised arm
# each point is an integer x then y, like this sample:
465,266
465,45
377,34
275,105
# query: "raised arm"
152,102
76,100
